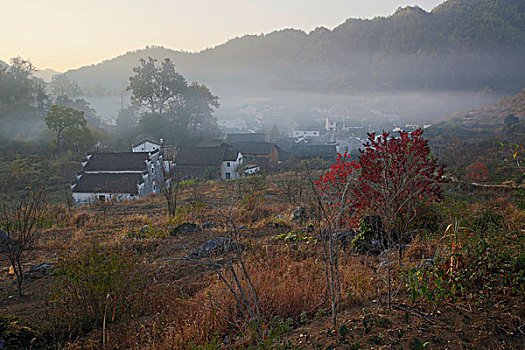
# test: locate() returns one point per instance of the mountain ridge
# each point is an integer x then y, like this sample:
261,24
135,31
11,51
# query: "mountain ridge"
459,45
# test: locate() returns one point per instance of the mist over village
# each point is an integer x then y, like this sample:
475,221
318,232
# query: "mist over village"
262,175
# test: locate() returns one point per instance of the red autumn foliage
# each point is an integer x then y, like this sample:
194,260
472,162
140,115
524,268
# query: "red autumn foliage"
339,193
391,178
478,172
397,174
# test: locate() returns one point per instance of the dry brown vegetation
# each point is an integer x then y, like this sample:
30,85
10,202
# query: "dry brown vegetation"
166,304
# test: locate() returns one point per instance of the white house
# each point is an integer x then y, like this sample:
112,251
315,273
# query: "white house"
306,132
146,145
330,125
127,175
231,161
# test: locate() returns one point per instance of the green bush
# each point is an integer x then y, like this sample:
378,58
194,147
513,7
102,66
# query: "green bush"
85,282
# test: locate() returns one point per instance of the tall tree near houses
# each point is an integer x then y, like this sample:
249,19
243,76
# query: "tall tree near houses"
60,117
153,86
184,110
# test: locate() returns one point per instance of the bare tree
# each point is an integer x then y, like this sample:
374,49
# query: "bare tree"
170,184
225,258
336,200
20,224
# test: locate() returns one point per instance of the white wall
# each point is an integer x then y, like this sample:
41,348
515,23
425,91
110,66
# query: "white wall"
146,147
310,133
86,198
232,169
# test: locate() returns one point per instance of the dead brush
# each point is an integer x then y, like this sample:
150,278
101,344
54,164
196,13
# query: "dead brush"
137,220
81,219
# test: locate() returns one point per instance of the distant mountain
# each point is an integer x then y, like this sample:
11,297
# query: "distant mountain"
459,45
46,74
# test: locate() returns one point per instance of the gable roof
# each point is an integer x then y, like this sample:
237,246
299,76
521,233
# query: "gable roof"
257,148
230,155
246,137
201,156
141,139
108,183
117,161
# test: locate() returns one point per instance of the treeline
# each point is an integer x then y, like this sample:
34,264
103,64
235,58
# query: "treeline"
460,45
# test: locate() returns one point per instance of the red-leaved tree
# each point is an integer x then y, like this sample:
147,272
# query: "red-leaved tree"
478,172
397,175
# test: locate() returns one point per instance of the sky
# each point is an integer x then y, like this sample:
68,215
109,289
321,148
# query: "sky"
67,34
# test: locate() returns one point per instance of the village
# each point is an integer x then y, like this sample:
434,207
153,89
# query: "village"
151,165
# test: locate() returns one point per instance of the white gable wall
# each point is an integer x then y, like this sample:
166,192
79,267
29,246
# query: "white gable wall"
146,146
230,167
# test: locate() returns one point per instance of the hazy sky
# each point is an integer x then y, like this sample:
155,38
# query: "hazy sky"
65,34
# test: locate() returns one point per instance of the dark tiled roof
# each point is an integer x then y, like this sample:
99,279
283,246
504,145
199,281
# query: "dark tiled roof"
246,137
201,156
313,151
118,161
200,172
108,183
230,155
213,143
256,148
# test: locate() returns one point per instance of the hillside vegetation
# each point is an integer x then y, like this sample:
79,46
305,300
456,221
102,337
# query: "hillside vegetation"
460,45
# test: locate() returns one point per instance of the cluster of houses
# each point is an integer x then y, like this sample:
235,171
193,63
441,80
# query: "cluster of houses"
145,170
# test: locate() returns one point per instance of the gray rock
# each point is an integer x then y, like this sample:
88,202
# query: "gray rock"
215,247
298,213
208,225
144,229
5,241
186,228
39,271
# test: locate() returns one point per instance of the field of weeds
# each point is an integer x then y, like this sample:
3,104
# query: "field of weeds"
122,277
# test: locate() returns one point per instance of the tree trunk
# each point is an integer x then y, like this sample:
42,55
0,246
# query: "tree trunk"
59,136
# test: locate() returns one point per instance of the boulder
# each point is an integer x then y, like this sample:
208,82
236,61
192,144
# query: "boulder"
215,247
186,228
39,271
298,213
5,241
208,225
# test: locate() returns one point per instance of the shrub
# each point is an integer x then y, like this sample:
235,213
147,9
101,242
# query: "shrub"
82,283
81,219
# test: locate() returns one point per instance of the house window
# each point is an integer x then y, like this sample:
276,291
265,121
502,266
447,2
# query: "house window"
228,164
228,176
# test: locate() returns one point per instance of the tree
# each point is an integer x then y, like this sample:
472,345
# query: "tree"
478,172
397,175
20,224
184,111
80,105
274,133
155,86
192,113
62,85
60,117
338,198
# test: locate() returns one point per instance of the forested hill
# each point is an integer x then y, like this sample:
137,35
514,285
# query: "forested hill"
459,45
503,121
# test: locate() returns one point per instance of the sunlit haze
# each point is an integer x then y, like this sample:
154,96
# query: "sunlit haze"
66,34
